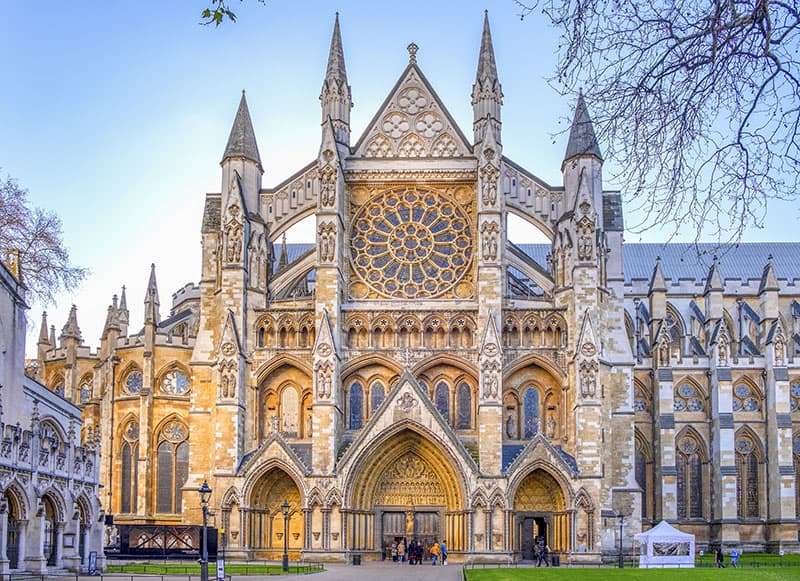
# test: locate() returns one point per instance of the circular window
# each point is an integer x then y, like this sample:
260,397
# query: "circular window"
175,383
411,243
133,383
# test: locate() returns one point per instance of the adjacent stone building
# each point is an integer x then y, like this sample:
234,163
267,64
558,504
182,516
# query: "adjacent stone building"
414,374
50,514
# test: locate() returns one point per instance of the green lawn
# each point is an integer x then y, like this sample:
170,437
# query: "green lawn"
521,574
194,568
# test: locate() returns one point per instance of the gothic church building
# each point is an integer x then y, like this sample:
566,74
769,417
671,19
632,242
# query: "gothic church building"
414,374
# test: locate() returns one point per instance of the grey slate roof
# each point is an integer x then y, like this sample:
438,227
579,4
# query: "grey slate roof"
582,140
242,140
679,260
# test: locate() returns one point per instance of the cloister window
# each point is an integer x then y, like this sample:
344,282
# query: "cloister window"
377,394
172,466
688,398
689,466
356,406
175,382
129,475
747,501
530,412
794,394
442,400
464,419
745,399
133,382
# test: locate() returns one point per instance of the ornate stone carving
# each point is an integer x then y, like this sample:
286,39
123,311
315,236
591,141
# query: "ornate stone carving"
324,379
409,175
327,241
407,402
410,477
489,232
588,378
489,175
491,379
327,191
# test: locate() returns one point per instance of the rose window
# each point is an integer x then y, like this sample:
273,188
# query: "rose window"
175,383
411,243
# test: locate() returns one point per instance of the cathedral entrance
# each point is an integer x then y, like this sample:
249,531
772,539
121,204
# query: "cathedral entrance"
265,520
405,490
540,515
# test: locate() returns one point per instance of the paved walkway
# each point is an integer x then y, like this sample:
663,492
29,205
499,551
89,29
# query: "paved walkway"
382,571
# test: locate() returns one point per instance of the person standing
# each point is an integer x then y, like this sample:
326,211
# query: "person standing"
545,555
719,556
401,552
735,558
443,549
435,552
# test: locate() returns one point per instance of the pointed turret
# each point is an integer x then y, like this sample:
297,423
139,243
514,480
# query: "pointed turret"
43,339
151,304
242,140
582,139
714,280
769,280
283,260
335,95
487,93
53,336
71,329
657,281
124,314
768,291
713,292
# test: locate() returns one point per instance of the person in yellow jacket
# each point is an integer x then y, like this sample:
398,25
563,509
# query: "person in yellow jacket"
434,552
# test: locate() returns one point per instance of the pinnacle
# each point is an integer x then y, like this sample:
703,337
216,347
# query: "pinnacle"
487,68
336,69
582,139
242,140
43,329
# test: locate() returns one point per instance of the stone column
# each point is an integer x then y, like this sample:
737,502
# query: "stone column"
664,395
723,455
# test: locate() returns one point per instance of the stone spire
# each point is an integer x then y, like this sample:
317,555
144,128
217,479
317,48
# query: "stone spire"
335,96
714,279
151,304
769,280
43,339
487,93
242,140
283,260
657,281
582,140
124,315
53,336
71,328
112,317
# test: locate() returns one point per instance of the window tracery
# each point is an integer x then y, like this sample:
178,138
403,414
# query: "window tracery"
86,391
377,394
641,399
133,382
129,473
464,416
356,398
410,243
530,413
172,459
689,467
745,399
747,486
175,382
688,398
442,400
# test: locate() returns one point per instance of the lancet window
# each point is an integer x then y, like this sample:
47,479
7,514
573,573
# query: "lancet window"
464,416
356,411
129,474
377,394
642,469
689,464
86,390
530,412
442,400
172,466
747,472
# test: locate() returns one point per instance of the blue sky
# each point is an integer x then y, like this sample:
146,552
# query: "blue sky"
115,114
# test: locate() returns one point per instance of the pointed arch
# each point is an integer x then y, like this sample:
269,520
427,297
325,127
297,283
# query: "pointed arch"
749,473
171,459
747,395
691,463
689,396
334,498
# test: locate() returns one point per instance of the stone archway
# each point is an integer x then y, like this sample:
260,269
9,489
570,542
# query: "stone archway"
540,514
407,488
265,520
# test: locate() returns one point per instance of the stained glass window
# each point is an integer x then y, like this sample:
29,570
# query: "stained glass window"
689,465
794,392
530,412
747,497
133,383
464,420
688,399
377,393
745,399
641,477
175,383
172,465
641,403
59,388
86,392
129,477
356,406
410,243
443,400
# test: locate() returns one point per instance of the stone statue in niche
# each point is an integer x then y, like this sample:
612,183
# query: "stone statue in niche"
490,231
551,427
327,186
588,376
489,190
234,244
779,350
511,426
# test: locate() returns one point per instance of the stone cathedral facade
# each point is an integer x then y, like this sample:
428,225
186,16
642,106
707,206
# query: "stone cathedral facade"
414,374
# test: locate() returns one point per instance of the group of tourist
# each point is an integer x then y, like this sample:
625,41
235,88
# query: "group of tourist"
417,552
720,557
541,551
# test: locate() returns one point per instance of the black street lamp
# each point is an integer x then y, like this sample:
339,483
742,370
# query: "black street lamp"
205,495
620,516
285,510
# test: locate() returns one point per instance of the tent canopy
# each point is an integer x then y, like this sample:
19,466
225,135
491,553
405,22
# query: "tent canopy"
663,532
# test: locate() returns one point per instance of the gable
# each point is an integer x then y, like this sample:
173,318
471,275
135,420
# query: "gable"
412,123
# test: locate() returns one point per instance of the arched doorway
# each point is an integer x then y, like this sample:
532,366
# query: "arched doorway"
12,531
49,538
265,519
406,488
540,515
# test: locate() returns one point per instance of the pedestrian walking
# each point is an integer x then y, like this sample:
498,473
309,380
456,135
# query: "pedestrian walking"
435,550
412,552
401,552
719,556
443,549
735,558
546,555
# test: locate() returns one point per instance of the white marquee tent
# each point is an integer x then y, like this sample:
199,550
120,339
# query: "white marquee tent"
665,546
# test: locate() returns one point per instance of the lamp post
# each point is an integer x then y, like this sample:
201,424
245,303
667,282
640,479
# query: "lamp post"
285,510
205,494
620,516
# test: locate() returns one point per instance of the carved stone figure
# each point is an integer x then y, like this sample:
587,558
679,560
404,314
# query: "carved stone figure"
511,426
551,427
234,252
490,231
489,190
588,375
327,194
